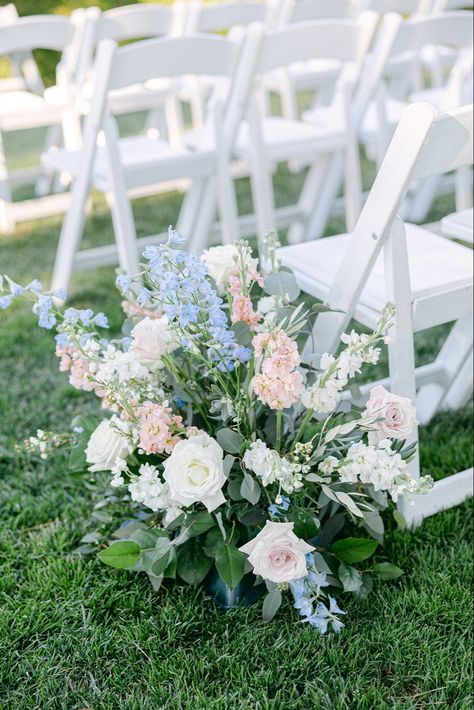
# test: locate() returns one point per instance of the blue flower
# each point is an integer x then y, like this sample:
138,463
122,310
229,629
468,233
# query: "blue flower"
60,293
34,285
5,301
100,319
123,283
15,289
62,341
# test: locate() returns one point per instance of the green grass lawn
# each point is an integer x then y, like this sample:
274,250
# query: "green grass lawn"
75,634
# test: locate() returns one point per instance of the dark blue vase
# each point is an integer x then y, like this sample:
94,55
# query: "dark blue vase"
244,594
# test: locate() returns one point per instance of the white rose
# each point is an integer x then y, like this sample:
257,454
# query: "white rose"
105,446
151,340
277,554
195,473
221,261
398,415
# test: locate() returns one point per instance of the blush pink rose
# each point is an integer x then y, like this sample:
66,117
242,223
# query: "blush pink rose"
150,340
277,554
397,414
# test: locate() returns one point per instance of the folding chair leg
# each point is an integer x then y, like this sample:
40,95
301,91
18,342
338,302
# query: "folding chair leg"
7,222
45,180
306,202
124,230
463,187
207,213
452,357
401,350
352,183
71,233
319,217
189,212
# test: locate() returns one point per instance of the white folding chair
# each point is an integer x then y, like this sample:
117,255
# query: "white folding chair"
121,165
268,140
427,277
124,24
316,74
23,108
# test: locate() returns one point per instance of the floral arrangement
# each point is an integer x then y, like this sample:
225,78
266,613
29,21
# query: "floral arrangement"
230,455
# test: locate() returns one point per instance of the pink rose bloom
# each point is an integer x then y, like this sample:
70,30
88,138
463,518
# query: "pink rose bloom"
277,554
397,413
151,340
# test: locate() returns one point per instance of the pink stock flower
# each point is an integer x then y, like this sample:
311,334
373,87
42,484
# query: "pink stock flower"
156,424
79,368
242,310
276,392
279,385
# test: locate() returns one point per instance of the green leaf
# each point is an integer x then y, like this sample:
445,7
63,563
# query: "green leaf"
77,456
233,488
199,523
126,531
228,463
251,516
230,565
230,440
323,308
350,577
249,489
192,562
145,538
320,563
346,500
282,283
386,571
155,582
374,524
306,527
354,549
121,555
165,554
213,542
243,334
271,604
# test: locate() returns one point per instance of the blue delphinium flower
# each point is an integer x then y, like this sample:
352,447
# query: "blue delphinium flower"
100,319
123,283
44,310
179,282
306,592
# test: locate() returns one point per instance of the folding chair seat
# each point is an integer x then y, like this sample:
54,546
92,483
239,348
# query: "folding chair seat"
117,165
436,267
428,278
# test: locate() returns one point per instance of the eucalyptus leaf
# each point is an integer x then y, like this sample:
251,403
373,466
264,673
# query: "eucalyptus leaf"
249,489
213,542
366,586
271,604
350,577
243,334
282,283
228,463
230,440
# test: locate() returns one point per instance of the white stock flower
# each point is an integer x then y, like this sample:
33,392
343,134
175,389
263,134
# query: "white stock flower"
147,488
151,338
222,260
277,554
122,366
267,304
321,399
270,467
398,415
105,445
195,472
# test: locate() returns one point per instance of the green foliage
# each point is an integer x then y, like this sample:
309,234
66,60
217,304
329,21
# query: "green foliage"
122,554
230,440
230,564
354,549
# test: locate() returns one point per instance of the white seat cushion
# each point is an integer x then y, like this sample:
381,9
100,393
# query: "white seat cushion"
284,139
459,225
24,109
145,162
436,265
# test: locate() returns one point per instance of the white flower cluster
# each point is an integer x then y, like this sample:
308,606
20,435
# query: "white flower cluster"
379,466
123,370
270,467
149,489
322,396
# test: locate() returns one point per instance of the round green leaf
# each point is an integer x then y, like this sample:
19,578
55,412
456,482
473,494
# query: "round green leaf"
354,549
230,565
121,555
230,440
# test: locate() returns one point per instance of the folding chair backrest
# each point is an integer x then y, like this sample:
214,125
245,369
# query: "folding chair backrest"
344,40
8,14
309,10
135,22
224,15
404,7
424,144
36,32
452,29
449,5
